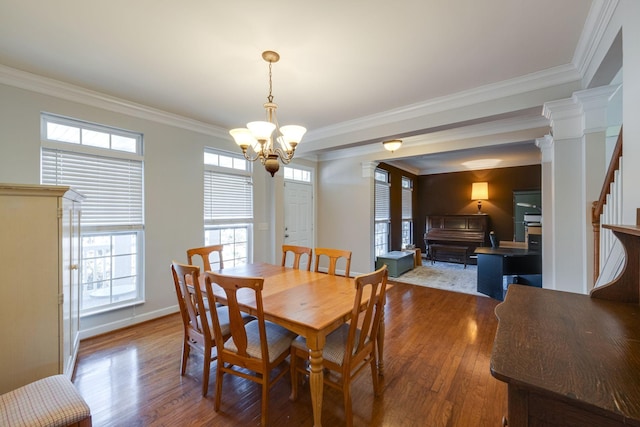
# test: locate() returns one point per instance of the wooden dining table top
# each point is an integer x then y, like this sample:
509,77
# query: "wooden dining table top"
299,300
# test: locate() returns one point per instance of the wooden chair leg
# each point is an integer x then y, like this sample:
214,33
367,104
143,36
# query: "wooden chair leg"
219,375
185,357
265,401
205,372
348,413
293,369
374,377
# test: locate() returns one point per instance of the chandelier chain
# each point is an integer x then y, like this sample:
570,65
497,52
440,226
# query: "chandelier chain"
270,97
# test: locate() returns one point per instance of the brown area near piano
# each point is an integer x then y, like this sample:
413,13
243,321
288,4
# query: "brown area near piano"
470,231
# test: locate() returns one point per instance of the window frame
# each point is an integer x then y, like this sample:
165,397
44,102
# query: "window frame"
233,166
96,221
298,174
407,212
382,220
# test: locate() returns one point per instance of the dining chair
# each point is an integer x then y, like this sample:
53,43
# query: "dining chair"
351,347
259,346
205,253
298,252
334,255
197,331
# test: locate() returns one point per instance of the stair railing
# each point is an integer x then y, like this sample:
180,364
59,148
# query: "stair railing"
607,210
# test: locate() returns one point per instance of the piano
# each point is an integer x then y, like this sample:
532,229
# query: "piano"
449,234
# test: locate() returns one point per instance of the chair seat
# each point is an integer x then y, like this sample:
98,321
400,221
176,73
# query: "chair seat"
334,347
279,340
223,315
49,402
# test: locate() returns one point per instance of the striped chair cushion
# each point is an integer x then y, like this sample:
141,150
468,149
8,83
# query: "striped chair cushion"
49,402
278,338
335,345
223,318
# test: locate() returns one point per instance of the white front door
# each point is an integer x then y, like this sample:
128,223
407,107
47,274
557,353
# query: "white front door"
298,215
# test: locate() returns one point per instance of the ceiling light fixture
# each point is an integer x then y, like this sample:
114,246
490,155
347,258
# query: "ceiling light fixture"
392,144
481,163
259,135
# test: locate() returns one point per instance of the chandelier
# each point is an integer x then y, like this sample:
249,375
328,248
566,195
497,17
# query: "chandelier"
258,140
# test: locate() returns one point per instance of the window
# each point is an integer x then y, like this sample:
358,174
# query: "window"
228,206
106,166
382,216
407,212
296,174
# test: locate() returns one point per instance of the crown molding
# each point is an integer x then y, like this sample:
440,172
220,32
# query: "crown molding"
593,32
540,80
47,86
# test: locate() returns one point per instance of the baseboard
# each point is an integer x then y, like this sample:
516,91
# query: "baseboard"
129,321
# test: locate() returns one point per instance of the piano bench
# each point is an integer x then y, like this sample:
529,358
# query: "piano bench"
461,251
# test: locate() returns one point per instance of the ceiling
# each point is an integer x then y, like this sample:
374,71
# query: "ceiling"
343,64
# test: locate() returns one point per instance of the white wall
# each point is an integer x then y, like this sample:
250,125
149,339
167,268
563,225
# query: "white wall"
630,14
345,206
173,171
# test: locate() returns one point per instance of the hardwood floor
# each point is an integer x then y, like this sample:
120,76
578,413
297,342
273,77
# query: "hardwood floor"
437,351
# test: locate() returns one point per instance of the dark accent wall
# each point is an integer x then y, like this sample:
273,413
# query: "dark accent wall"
450,193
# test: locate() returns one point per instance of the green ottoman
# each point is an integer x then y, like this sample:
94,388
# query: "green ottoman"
397,262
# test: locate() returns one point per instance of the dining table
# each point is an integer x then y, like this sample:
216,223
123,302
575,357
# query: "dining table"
311,304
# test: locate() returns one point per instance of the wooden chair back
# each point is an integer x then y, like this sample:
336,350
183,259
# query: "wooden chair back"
231,285
249,348
205,254
298,252
197,331
365,318
333,255
353,346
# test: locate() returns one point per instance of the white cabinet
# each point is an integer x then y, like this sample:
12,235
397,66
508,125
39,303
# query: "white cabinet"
39,282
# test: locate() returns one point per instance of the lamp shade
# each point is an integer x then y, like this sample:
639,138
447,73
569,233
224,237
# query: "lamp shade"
479,191
292,134
243,137
261,130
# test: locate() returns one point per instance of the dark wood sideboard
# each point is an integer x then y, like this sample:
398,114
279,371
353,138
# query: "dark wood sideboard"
573,360
470,231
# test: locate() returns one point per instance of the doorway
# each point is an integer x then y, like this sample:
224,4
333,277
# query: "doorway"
298,216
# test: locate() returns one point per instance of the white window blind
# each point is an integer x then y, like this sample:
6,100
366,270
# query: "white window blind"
227,197
407,211
113,187
382,201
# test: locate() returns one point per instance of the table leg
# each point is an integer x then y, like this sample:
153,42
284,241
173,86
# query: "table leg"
316,383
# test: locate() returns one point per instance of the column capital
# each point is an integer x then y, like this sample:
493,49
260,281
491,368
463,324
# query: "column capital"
584,112
368,169
565,117
594,105
545,144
